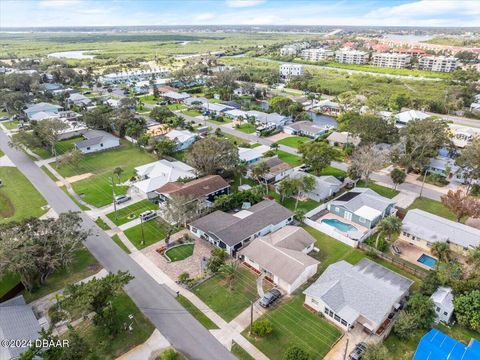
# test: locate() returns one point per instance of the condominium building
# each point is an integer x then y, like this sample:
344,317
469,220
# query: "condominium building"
289,70
351,56
438,63
318,54
388,60
293,49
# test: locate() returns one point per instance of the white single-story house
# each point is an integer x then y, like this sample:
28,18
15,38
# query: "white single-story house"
252,155
277,169
269,118
233,231
79,100
153,176
282,257
176,96
462,135
341,138
305,128
97,140
362,295
114,103
325,186
42,107
218,109
405,117
236,114
443,302
183,138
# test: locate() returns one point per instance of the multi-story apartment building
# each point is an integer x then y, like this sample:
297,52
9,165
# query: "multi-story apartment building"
293,49
318,54
438,63
351,56
388,60
289,70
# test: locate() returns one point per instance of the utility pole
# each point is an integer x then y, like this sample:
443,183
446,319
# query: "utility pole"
251,316
141,226
113,198
423,182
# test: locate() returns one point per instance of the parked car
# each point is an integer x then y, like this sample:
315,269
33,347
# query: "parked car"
3,118
119,199
270,297
358,352
148,215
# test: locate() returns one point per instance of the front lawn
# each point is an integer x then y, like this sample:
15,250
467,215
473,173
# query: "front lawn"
18,198
11,124
196,313
379,189
153,230
291,159
174,107
192,112
102,224
61,147
293,324
246,128
82,266
120,243
330,170
225,120
180,252
305,205
294,141
432,206
239,353
148,99
131,212
228,303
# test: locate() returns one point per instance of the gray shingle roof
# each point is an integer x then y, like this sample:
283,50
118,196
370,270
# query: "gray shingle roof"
366,197
94,137
366,289
233,228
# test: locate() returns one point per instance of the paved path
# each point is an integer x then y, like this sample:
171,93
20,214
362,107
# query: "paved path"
181,329
150,349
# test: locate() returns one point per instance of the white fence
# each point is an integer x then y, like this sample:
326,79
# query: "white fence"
331,232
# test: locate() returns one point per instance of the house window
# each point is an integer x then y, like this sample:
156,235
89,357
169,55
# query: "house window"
362,220
337,318
101,145
445,313
314,302
88,148
437,309
344,323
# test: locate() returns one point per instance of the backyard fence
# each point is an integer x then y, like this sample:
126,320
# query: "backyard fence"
396,261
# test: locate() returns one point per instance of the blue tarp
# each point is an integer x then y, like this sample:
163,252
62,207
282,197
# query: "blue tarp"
436,345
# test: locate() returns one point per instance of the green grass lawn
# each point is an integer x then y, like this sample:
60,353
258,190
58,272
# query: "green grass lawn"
226,120
192,112
102,224
97,189
295,325
11,124
61,147
119,242
82,266
291,159
176,107
246,128
81,206
8,282
432,206
131,212
148,99
228,303
180,252
154,230
379,189
289,203
49,173
18,198
294,141
196,313
234,139
239,353
330,170
106,347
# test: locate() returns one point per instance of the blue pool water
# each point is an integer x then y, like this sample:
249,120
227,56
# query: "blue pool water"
340,225
427,260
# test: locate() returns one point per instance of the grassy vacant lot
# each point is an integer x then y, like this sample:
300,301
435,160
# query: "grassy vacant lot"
294,141
291,159
180,252
295,325
61,147
131,212
106,347
153,230
196,313
246,128
97,189
83,265
432,206
119,242
228,303
18,198
379,189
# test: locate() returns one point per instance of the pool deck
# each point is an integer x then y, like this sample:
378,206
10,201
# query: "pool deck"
361,229
412,253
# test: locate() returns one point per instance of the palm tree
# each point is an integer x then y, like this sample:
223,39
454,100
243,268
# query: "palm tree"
241,170
441,250
304,185
118,171
388,226
274,147
259,171
229,272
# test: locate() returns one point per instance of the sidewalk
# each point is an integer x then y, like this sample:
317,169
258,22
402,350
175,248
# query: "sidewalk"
150,349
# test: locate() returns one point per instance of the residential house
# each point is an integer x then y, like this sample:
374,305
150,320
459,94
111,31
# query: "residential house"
153,176
305,128
195,101
405,117
176,96
114,103
282,257
252,155
423,229
18,322
205,189
268,118
328,107
361,295
157,131
277,169
462,135
362,206
237,114
78,100
231,231
325,186
443,302
42,107
50,87
342,138
435,345
183,138
97,140
290,70
218,109
134,75
445,166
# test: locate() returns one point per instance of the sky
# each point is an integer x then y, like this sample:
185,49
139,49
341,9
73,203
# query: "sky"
42,13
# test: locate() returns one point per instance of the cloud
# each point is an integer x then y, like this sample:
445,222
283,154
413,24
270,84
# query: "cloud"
205,17
57,3
243,3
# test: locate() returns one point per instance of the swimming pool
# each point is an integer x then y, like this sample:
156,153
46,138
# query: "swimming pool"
347,228
428,261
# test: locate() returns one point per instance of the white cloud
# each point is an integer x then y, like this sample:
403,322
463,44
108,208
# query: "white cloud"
243,3
57,3
205,17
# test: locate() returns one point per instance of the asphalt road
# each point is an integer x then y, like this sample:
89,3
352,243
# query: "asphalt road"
156,301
